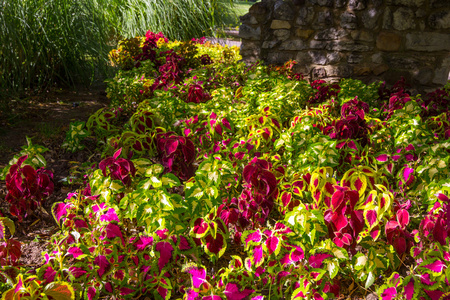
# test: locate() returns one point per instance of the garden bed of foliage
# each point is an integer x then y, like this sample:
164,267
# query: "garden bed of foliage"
226,181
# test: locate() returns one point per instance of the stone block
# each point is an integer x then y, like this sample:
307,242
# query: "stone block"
439,20
260,11
362,35
248,19
249,33
387,18
303,33
270,44
339,71
349,20
439,3
376,3
362,70
428,41
423,76
318,73
317,44
339,3
377,58
441,75
354,58
347,46
403,19
410,3
387,41
293,45
318,57
356,4
324,18
334,57
279,58
370,18
330,34
283,10
282,34
328,3
380,69
305,16
280,24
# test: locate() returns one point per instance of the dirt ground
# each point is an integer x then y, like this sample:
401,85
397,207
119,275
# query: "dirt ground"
45,119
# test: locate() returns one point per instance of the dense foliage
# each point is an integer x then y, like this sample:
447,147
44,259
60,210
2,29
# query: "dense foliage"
226,181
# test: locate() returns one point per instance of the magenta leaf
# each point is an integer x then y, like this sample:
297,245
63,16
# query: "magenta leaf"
143,242
192,295
389,293
272,243
49,274
253,237
409,289
212,297
257,255
165,250
198,276
102,262
371,217
315,261
437,266
113,231
382,157
75,251
232,292
403,218
91,292
215,245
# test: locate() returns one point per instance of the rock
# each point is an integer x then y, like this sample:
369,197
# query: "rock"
259,10
330,34
324,18
354,58
283,10
339,71
248,19
363,35
249,33
305,16
293,45
356,4
333,57
423,76
339,3
370,18
280,24
427,41
318,57
250,49
348,20
420,13
328,3
317,73
411,3
282,34
441,75
403,19
317,44
377,58
362,70
387,41
279,58
303,33
378,70
270,44
387,18
439,3
376,3
347,46
439,20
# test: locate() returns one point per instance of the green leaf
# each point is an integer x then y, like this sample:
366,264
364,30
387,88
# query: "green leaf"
59,291
360,261
333,268
6,222
170,180
370,280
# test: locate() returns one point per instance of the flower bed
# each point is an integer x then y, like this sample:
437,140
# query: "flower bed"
227,181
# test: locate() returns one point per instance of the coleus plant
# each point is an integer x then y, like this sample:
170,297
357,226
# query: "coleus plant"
27,188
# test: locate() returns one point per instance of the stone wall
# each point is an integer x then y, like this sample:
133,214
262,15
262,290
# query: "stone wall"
364,39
